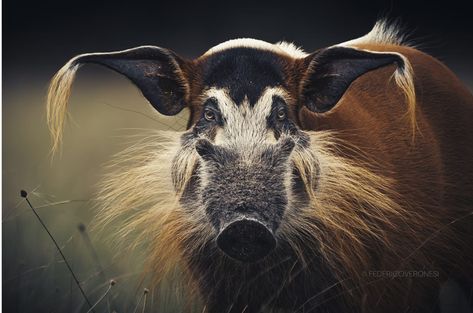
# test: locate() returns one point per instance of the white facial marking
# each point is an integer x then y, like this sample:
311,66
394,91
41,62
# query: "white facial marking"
245,126
282,47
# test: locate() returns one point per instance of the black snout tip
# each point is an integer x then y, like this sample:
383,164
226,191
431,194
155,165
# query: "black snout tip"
246,240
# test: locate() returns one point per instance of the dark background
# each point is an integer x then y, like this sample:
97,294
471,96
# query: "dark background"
40,36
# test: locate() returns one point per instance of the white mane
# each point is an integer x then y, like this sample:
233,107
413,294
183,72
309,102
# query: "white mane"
282,47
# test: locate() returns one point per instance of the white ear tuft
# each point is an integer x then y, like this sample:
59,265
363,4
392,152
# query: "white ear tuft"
58,95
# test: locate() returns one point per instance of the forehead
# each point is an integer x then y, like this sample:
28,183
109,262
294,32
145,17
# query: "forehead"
261,108
246,70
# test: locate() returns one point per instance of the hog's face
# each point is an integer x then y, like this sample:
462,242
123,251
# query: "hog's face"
244,180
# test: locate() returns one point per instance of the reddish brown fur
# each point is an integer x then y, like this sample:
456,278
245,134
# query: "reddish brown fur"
434,174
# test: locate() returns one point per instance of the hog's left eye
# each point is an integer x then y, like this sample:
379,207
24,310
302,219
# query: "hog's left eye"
209,115
281,114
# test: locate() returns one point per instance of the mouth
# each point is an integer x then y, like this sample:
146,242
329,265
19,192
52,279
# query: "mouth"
246,240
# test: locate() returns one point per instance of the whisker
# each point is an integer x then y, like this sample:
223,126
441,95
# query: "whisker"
321,293
130,110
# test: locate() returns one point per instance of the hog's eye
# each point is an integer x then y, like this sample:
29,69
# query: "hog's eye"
209,115
281,114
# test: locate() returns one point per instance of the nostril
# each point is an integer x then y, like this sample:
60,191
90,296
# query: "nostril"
246,240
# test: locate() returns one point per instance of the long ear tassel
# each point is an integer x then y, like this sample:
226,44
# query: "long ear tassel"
58,95
404,78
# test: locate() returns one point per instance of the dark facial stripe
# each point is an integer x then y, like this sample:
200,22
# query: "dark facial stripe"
208,127
278,124
244,72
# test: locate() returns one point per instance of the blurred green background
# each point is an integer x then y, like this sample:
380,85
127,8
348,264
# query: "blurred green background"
40,36
105,110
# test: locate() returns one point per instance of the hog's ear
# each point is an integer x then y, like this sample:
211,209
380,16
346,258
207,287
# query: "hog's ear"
331,71
157,72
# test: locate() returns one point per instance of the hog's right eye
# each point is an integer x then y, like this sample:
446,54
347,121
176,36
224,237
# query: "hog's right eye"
209,115
281,115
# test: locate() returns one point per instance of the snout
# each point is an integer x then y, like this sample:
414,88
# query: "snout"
246,240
